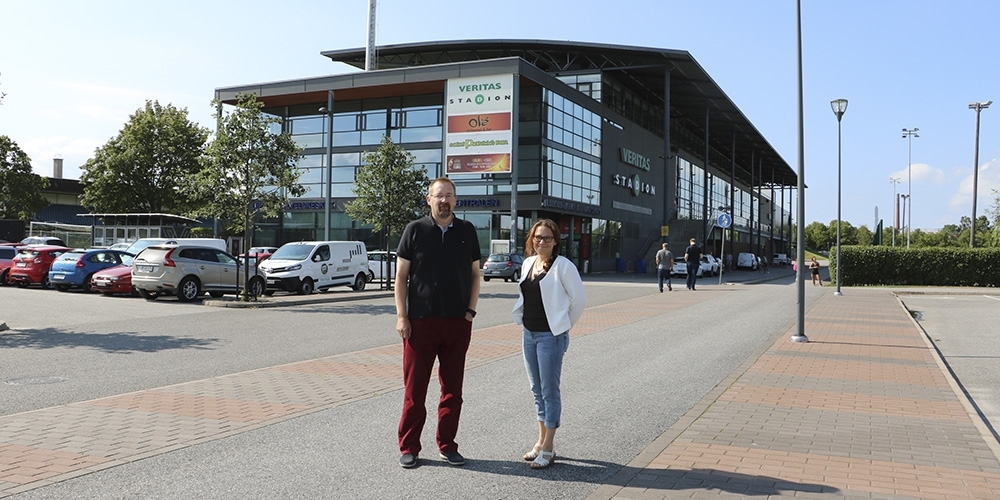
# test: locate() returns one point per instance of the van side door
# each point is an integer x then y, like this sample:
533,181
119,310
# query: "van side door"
324,267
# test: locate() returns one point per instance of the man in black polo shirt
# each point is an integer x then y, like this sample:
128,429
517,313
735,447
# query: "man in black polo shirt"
693,258
437,289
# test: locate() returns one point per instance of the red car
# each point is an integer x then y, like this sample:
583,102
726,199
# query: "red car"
32,263
114,280
7,254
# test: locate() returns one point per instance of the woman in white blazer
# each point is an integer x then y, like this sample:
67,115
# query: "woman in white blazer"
551,301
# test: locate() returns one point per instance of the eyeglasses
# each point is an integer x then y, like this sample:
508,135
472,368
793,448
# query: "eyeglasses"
443,197
546,239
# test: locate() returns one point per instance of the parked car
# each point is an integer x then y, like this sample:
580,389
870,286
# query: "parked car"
710,266
780,259
43,240
503,265
188,271
75,268
120,246
117,279
7,254
377,260
262,250
31,264
746,260
140,244
681,268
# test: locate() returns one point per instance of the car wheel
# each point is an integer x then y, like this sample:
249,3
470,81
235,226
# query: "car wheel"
188,289
62,288
46,283
306,287
371,276
486,279
256,287
3,278
86,284
359,283
147,294
216,295
517,276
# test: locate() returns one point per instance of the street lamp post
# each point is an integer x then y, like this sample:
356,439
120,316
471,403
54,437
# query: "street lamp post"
839,107
895,202
328,109
978,106
904,198
909,134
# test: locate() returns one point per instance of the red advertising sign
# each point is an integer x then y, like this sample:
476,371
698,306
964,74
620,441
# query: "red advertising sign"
484,122
475,164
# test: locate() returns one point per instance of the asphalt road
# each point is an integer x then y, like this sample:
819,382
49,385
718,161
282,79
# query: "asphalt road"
622,387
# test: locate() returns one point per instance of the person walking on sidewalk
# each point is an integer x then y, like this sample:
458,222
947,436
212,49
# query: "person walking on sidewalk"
814,269
437,289
664,263
693,258
550,302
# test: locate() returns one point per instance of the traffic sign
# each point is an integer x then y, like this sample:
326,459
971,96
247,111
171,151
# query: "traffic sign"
725,220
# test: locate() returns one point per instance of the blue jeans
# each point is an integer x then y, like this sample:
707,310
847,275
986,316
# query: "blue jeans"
543,357
663,275
692,274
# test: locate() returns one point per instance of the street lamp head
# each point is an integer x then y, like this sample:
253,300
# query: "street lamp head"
839,107
980,105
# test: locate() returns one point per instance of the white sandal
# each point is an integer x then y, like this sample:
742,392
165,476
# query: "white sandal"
533,454
544,459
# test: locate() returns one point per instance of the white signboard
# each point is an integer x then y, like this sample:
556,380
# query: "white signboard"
478,118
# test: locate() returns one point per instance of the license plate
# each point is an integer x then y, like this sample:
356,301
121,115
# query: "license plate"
272,282
58,277
22,264
145,269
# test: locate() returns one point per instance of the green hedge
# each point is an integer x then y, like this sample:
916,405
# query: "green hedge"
942,266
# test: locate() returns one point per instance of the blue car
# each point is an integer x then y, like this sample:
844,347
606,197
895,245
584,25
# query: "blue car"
74,269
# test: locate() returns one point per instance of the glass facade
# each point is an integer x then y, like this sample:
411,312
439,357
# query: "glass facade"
572,151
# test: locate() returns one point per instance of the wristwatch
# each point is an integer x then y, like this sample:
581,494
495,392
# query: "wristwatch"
471,311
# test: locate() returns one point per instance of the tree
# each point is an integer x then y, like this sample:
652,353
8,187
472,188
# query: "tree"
145,167
818,236
20,188
865,236
249,172
390,191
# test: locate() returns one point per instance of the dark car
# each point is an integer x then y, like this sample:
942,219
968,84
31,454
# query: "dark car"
503,265
74,269
7,254
31,264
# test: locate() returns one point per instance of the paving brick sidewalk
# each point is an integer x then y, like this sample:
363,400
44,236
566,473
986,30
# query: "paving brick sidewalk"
863,410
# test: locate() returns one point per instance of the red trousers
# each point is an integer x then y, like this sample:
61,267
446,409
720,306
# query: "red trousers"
447,340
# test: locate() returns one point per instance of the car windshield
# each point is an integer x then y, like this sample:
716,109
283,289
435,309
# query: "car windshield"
27,253
126,259
292,252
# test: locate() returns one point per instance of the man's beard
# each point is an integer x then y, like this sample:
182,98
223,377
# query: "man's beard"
443,211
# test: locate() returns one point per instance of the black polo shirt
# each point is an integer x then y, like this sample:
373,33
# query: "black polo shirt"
440,280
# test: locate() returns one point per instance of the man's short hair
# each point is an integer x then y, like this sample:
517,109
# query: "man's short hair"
692,241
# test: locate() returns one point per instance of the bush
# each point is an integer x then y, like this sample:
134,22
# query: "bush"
940,266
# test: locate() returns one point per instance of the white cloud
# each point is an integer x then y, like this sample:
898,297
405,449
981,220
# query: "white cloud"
921,173
989,180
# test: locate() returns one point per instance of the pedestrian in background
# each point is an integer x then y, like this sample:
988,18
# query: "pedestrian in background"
664,264
551,301
693,258
437,289
814,269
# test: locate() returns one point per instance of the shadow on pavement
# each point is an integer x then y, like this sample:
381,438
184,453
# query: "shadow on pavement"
123,342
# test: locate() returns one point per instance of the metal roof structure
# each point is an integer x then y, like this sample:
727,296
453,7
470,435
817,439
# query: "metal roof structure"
141,218
642,69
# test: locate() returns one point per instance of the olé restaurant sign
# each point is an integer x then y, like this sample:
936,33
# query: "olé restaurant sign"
478,118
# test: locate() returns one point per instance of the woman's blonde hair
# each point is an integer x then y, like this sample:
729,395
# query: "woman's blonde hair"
529,245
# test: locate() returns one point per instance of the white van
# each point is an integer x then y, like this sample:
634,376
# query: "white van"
141,244
305,266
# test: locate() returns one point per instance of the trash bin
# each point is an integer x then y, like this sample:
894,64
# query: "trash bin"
586,267
640,266
620,264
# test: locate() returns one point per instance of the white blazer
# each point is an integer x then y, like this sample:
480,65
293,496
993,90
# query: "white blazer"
562,294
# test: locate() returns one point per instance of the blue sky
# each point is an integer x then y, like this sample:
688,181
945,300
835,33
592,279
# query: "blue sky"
74,71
